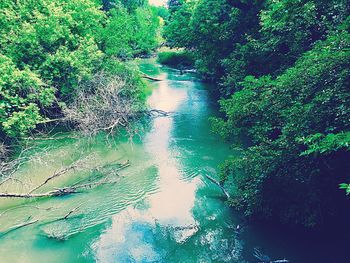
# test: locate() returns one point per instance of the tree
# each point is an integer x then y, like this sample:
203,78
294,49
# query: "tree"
283,71
49,47
299,129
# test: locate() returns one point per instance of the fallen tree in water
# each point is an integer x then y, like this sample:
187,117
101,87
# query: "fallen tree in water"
105,104
15,227
100,175
145,76
72,189
102,104
219,185
265,258
57,192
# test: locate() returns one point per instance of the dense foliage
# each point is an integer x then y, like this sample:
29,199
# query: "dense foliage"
130,34
176,59
284,71
48,47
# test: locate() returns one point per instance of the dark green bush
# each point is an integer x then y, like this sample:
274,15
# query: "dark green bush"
176,59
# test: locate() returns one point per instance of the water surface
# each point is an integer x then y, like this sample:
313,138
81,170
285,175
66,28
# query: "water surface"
160,209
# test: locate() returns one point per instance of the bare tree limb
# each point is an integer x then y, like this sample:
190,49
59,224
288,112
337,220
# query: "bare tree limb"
13,228
62,191
55,175
101,104
145,76
71,212
23,206
159,112
218,184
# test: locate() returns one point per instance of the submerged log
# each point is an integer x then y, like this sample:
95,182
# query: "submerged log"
150,78
266,259
57,192
159,113
56,174
13,228
71,212
65,190
218,184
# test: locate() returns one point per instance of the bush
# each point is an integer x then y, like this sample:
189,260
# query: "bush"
299,124
178,59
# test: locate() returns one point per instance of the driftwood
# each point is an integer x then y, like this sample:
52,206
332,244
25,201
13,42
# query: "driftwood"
62,191
57,192
189,227
266,259
149,77
70,212
184,71
56,174
218,184
158,113
13,228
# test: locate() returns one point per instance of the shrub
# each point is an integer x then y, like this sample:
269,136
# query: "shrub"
178,59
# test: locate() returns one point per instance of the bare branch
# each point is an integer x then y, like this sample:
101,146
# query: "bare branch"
58,174
65,190
103,104
150,78
13,228
218,184
71,212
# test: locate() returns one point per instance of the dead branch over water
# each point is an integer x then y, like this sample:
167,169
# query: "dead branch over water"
65,190
149,77
63,171
72,189
102,104
218,184
10,166
15,227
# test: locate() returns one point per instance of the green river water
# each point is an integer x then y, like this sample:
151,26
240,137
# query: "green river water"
161,208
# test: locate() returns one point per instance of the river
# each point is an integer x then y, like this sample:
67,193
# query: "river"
161,209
